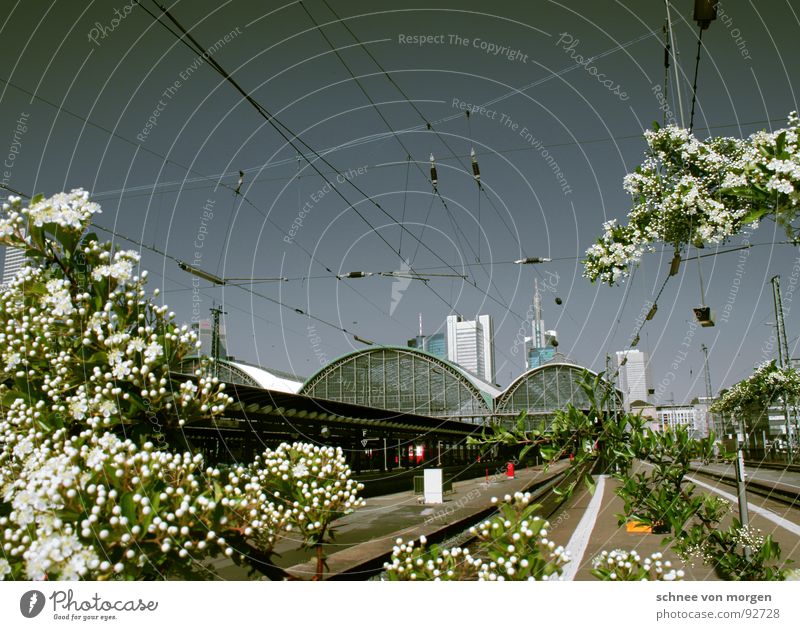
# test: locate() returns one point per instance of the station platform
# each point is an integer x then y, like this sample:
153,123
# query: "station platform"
586,525
370,532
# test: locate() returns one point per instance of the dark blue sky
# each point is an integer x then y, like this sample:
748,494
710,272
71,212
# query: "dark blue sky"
553,147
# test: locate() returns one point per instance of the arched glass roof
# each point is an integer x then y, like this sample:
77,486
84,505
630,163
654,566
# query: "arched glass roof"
406,380
545,389
238,373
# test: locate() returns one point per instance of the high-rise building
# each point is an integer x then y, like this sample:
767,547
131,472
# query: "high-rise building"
541,345
539,356
13,260
205,333
435,344
634,376
470,344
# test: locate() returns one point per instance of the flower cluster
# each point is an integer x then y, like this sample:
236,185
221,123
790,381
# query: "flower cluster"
90,485
768,384
297,487
619,565
512,545
689,191
70,212
94,505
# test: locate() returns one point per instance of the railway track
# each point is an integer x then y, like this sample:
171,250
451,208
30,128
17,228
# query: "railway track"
785,493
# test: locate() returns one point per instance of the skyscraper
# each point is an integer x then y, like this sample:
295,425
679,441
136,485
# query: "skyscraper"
205,334
634,376
470,344
13,261
435,344
541,345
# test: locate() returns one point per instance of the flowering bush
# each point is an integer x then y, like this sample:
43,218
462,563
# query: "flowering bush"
722,549
90,483
651,469
689,191
767,385
619,565
298,487
512,545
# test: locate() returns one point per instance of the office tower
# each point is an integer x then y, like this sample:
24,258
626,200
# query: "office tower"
205,333
435,344
470,344
541,346
634,376
14,259
432,344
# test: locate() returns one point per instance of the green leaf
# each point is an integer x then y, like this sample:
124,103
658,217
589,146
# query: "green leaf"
128,507
780,142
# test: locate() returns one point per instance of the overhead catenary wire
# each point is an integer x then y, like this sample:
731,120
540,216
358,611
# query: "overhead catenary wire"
434,178
178,261
427,123
268,298
291,138
216,178
694,82
456,228
405,202
674,51
667,52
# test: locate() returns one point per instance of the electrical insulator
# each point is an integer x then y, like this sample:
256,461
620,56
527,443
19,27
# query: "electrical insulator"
434,176
675,265
705,12
476,171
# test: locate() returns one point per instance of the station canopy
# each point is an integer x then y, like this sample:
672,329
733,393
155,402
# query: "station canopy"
405,380
543,390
